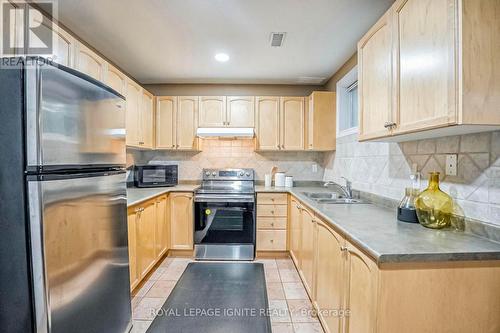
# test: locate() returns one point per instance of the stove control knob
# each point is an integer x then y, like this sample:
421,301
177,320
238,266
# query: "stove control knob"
207,173
247,174
241,174
214,173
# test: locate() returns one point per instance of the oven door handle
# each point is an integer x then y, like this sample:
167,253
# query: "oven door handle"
224,198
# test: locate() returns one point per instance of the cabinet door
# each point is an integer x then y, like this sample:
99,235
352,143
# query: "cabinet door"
307,250
425,60
240,111
268,122
295,231
181,221
361,292
321,121
116,80
187,122
375,80
147,120
64,44
330,262
166,108
133,121
146,228
88,62
212,111
161,226
132,217
292,123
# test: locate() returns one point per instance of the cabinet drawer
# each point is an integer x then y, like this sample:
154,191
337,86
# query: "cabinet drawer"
272,210
271,223
271,240
272,199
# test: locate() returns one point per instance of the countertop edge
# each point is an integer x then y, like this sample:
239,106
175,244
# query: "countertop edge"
386,258
159,191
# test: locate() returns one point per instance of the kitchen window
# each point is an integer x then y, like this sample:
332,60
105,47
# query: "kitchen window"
347,104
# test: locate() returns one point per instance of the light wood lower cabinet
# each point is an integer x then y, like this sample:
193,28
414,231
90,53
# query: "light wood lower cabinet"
272,212
132,217
330,258
148,236
162,239
307,241
145,228
181,221
295,230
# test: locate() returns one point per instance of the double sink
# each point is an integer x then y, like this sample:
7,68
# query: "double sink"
331,198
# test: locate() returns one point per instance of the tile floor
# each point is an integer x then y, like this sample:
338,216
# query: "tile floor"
289,304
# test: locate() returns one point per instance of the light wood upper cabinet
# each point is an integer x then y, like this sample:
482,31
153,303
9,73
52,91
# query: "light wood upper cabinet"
445,70
292,123
425,72
375,80
162,238
166,109
64,48
132,219
133,115
88,62
240,111
268,123
361,292
181,221
307,249
212,111
321,121
116,80
146,228
147,120
187,123
295,231
330,281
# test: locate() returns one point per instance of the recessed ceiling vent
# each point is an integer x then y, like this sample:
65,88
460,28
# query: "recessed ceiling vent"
277,39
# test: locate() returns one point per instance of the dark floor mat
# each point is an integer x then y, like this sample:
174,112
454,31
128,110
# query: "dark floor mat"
216,297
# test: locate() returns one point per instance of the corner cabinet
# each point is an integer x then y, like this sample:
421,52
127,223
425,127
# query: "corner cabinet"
444,70
181,221
321,121
140,117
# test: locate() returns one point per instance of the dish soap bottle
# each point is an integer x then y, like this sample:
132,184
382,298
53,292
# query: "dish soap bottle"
434,207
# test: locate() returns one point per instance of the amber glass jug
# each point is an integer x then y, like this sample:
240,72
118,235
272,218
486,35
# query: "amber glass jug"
434,207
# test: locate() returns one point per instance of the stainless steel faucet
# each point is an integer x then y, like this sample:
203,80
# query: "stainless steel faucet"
346,190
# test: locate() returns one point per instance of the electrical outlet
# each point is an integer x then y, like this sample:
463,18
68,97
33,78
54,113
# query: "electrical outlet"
314,168
451,164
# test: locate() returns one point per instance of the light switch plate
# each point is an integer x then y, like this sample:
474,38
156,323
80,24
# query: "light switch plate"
451,164
314,168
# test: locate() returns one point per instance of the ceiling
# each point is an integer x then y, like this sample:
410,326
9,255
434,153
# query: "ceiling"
175,41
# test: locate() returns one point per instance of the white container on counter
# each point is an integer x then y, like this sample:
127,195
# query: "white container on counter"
279,179
288,181
267,180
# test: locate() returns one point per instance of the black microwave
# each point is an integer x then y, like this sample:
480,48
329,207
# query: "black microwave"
155,175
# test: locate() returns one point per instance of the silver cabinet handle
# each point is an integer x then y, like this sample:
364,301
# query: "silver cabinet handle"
389,124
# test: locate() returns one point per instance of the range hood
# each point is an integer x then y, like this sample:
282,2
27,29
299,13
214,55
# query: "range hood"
225,132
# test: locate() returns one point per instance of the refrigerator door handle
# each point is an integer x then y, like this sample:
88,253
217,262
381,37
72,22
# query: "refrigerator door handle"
40,290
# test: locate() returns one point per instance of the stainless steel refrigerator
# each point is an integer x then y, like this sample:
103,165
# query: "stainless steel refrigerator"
63,239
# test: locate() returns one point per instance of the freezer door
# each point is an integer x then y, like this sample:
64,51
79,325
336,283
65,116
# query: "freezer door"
72,121
79,252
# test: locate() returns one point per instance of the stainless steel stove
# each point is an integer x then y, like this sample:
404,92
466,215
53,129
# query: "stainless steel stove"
224,227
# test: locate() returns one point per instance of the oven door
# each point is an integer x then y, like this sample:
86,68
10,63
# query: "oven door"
224,220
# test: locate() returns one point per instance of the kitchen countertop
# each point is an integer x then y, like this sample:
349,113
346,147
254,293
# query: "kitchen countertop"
137,195
377,231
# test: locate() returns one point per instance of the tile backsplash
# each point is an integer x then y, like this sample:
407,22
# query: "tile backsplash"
384,168
219,153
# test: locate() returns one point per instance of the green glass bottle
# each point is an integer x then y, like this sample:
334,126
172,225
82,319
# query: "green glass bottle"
434,207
